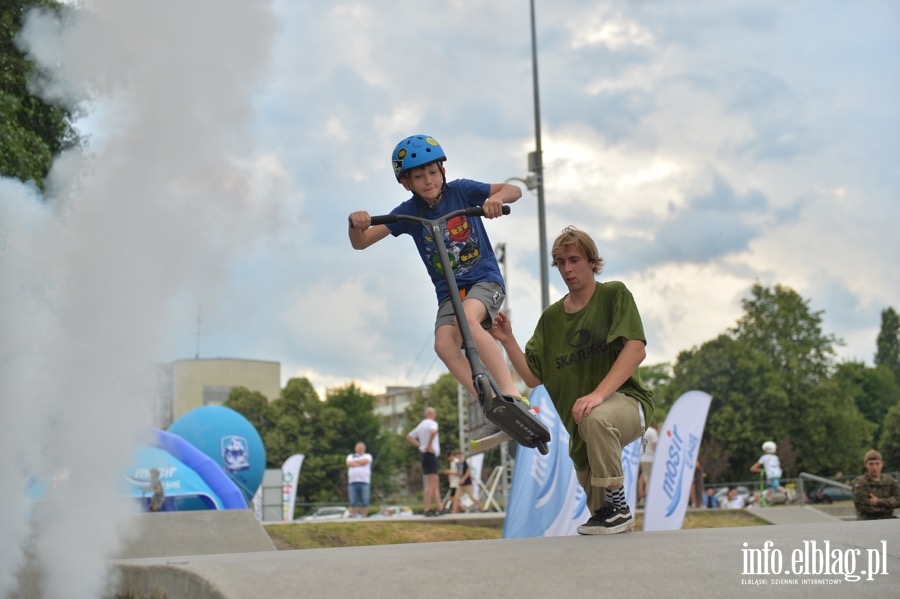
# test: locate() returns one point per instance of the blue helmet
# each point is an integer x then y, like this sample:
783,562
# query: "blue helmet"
416,150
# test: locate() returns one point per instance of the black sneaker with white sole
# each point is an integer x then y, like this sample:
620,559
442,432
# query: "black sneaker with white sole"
608,520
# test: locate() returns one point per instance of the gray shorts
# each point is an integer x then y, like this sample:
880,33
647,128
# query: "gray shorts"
490,294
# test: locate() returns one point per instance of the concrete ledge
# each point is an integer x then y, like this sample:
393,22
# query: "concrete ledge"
792,514
167,534
699,563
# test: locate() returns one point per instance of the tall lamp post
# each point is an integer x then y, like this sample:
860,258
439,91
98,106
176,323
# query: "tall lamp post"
536,166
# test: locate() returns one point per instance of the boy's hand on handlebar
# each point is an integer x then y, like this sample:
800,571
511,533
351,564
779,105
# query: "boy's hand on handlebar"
360,220
493,207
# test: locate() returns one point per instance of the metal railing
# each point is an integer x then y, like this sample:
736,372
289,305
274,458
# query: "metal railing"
821,479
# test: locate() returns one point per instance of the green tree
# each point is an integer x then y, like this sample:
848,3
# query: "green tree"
876,390
888,343
779,324
835,434
359,423
771,379
748,397
32,130
253,405
890,440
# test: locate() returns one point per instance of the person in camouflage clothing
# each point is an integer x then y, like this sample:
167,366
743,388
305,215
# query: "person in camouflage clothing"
875,495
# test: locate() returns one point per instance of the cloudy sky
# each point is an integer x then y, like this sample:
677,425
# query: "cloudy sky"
706,146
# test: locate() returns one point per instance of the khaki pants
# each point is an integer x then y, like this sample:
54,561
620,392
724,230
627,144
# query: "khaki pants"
607,430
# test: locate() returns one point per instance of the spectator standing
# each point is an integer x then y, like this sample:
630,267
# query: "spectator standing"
466,484
425,438
452,473
359,481
875,495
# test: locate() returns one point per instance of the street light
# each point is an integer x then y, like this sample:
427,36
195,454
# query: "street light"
530,182
536,166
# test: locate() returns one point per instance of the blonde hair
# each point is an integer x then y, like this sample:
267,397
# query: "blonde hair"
572,236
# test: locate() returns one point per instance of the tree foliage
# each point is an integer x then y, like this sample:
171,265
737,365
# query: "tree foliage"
33,130
890,438
325,432
772,377
887,352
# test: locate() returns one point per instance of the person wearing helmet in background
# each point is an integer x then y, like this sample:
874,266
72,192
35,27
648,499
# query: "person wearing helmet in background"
418,163
772,465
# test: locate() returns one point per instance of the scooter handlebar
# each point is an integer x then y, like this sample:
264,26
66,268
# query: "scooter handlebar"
386,219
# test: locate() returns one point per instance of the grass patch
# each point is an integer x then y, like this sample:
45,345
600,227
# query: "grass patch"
320,535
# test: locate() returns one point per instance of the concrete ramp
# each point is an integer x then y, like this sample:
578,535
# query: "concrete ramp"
792,514
701,563
203,532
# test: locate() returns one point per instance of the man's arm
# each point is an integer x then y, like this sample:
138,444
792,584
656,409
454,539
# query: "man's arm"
413,441
631,356
502,332
429,447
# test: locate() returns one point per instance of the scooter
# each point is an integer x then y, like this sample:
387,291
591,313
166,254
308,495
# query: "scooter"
511,414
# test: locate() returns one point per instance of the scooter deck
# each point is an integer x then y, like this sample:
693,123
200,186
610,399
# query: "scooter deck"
516,419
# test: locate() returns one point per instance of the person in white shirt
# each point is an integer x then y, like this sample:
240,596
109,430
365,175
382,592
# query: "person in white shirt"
733,500
425,438
359,481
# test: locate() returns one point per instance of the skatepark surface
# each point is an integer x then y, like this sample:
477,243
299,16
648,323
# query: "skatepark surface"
805,555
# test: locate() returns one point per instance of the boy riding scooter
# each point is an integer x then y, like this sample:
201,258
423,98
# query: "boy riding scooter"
418,166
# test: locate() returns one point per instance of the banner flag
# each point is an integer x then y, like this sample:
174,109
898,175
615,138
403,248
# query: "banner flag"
545,499
290,472
476,463
674,460
631,458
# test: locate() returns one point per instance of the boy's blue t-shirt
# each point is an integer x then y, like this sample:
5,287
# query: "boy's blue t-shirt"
471,253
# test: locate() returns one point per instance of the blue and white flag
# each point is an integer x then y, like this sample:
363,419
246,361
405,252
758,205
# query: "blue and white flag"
674,460
546,499
631,462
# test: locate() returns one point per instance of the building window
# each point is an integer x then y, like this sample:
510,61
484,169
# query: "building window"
215,394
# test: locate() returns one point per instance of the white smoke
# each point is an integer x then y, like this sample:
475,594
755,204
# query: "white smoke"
96,276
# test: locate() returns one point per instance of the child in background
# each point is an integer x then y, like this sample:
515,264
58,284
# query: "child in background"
772,465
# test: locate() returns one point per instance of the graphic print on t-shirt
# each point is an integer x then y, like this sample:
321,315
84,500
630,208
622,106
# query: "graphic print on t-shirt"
462,247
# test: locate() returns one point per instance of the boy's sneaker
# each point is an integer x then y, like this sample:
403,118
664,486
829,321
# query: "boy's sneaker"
608,520
489,435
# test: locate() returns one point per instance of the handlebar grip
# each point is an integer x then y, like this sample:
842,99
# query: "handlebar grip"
506,209
384,219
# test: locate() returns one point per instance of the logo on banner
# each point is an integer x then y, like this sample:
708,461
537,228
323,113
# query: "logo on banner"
631,462
679,463
234,453
674,462
546,499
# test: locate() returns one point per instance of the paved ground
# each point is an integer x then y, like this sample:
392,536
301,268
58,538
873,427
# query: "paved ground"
724,562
